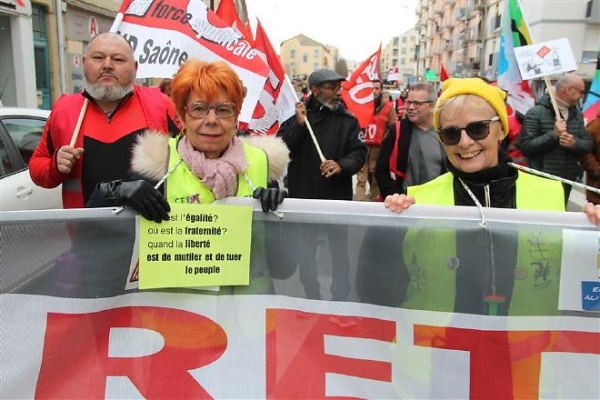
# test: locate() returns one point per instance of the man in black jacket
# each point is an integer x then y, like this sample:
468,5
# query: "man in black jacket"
329,178
553,143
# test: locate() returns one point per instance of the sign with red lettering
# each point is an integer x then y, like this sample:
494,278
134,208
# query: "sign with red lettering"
155,345
165,33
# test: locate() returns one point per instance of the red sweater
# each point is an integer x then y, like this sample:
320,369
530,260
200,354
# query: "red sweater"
107,143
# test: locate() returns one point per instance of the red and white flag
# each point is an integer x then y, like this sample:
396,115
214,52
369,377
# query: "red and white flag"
165,33
357,91
278,97
228,13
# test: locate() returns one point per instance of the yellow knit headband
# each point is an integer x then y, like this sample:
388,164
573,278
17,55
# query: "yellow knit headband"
478,87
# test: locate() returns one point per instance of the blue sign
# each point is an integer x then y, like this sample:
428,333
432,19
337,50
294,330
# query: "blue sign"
590,295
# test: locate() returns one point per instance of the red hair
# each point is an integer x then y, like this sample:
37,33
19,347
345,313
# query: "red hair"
208,79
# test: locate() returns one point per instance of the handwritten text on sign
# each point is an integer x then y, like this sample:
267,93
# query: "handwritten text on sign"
207,245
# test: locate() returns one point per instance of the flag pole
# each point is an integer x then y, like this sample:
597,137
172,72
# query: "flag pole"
310,130
114,28
79,121
554,177
314,139
552,97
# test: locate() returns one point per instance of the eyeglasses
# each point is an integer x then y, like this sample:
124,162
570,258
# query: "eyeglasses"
332,86
417,103
200,110
477,130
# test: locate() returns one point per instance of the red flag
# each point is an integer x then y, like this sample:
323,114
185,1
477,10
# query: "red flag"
357,91
228,13
161,44
444,74
248,32
278,97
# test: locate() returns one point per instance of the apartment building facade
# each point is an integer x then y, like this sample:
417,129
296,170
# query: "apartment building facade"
301,55
400,52
42,43
464,35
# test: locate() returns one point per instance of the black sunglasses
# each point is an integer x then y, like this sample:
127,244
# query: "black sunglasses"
477,130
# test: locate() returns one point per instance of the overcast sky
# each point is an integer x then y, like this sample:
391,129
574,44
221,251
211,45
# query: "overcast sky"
355,27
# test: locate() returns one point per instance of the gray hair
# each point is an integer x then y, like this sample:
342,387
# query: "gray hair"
426,87
567,80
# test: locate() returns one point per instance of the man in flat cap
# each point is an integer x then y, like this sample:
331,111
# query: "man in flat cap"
311,177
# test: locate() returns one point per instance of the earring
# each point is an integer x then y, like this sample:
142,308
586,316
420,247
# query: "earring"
183,131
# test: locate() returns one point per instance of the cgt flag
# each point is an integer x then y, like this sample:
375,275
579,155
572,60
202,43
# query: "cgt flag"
514,33
278,98
165,33
357,91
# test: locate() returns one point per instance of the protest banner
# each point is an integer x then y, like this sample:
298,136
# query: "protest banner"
165,33
546,58
104,342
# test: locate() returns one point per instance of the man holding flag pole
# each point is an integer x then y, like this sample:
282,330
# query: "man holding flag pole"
104,121
553,134
323,170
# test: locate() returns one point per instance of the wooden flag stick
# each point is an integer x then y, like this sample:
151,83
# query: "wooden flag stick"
552,97
79,121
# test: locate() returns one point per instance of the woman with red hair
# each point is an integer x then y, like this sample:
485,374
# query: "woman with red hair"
207,161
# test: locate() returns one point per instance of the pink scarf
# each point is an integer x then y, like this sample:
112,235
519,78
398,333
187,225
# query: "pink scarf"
219,174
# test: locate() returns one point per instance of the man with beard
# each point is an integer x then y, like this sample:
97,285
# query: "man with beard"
337,132
411,153
118,111
384,116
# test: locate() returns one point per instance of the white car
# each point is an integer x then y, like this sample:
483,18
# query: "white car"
20,132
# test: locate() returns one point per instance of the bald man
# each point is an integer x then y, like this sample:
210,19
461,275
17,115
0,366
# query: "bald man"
118,111
552,143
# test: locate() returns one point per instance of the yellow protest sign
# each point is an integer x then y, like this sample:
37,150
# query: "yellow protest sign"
201,245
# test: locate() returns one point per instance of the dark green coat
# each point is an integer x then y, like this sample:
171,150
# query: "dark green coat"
541,147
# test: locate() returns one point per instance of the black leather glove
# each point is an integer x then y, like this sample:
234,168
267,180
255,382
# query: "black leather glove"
139,195
269,198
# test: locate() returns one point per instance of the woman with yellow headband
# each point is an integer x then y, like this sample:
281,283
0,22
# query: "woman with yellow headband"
471,120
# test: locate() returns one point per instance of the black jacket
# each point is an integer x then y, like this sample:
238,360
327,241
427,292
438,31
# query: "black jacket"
337,132
387,185
540,145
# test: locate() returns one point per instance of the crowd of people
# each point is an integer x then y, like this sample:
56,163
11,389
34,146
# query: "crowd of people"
420,149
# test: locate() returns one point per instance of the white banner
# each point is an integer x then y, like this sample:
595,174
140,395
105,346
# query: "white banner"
428,304
165,33
547,58
200,346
